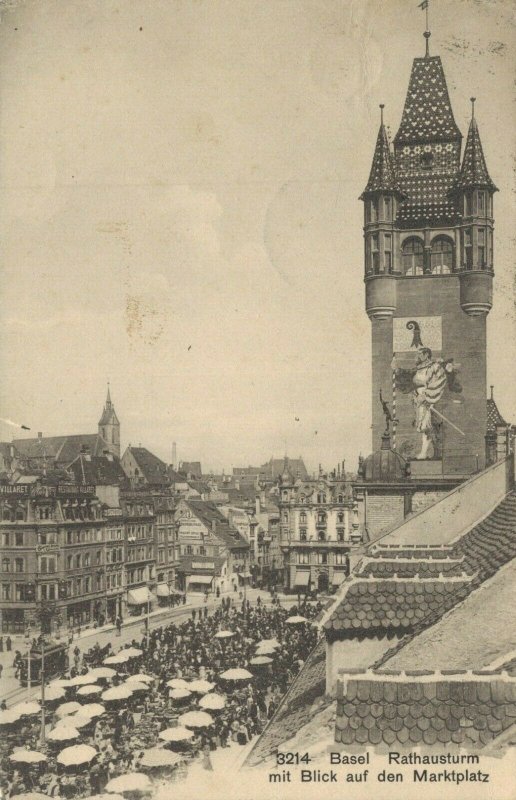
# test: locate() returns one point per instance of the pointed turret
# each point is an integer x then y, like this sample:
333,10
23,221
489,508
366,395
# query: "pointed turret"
382,177
473,173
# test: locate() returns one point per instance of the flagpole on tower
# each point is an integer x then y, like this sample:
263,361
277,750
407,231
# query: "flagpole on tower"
424,7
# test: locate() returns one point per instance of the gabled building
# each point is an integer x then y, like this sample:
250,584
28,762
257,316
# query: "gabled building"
204,532
144,469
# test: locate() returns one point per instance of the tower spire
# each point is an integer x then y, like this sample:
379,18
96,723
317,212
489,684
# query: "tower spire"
424,7
108,397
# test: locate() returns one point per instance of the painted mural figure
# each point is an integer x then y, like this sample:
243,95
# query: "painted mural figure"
427,381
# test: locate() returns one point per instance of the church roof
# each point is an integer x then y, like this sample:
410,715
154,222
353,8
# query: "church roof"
152,468
98,470
427,115
109,416
474,172
62,449
382,177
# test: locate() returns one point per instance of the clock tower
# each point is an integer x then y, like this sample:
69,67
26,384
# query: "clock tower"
428,231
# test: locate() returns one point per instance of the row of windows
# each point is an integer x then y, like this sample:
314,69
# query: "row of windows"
139,575
140,553
321,498
442,255
114,580
80,560
115,555
305,557
321,535
14,565
382,209
84,536
190,550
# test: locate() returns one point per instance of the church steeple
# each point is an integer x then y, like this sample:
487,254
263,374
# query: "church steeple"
109,426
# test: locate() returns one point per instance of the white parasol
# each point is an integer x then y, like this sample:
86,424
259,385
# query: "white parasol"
201,686
177,683
131,782
259,661
224,634
295,620
212,702
67,708
196,719
178,734
9,716
117,693
76,754
179,694
157,757
27,757
118,659
82,680
54,693
131,652
101,672
140,677
63,733
86,691
237,674
62,682
27,709
90,710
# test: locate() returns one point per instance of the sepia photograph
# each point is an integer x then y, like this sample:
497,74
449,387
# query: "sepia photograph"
257,399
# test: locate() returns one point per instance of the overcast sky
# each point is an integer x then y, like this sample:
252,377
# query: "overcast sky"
180,214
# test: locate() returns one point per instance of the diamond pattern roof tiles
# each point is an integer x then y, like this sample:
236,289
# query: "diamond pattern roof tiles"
474,169
427,115
382,177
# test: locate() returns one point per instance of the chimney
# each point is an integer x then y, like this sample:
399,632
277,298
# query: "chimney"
343,468
174,455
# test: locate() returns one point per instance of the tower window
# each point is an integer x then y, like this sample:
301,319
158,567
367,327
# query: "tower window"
374,209
481,247
412,257
481,202
387,204
387,242
442,256
469,205
468,248
375,254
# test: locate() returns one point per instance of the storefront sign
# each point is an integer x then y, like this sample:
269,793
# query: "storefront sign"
14,488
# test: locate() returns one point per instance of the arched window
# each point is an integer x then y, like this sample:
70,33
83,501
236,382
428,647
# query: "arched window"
302,517
442,256
340,498
340,518
321,518
412,256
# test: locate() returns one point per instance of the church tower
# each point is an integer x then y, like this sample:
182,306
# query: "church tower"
428,230
109,427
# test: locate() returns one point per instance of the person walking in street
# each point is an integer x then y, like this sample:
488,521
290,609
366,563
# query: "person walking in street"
8,644
1,644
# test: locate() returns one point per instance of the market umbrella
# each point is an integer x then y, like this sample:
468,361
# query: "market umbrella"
180,694
134,686
118,659
27,757
76,720
237,674
269,642
295,620
104,796
140,677
178,734
76,754
131,652
62,682
67,708
117,693
101,672
177,683
91,710
54,693
27,709
260,661
32,796
265,650
196,719
87,691
201,686
212,702
63,733
9,716
131,782
82,680
157,757
224,634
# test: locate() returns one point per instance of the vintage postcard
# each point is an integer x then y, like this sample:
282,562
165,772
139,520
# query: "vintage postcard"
258,400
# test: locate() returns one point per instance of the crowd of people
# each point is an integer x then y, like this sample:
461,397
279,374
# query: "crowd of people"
189,650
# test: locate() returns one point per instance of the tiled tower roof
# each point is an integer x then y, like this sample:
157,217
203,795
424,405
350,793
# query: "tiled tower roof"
474,172
382,177
427,115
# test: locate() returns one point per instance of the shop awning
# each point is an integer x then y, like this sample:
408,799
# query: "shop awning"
204,579
338,577
162,590
302,577
137,597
